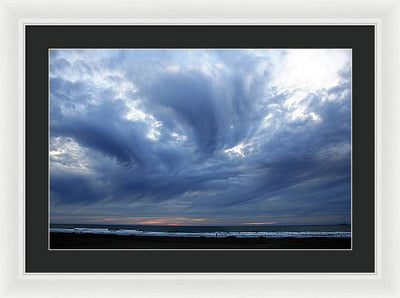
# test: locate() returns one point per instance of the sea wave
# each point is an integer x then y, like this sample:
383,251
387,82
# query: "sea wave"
216,234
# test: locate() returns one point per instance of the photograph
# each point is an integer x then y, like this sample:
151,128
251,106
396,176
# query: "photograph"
200,149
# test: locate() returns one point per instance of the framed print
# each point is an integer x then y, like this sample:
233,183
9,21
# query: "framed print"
221,142
30,31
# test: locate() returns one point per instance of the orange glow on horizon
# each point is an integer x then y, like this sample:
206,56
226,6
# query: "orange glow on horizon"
171,221
150,222
175,221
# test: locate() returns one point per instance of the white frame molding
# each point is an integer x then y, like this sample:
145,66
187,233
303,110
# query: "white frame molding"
15,14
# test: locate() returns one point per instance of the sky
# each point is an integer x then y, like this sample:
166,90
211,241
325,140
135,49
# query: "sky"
200,137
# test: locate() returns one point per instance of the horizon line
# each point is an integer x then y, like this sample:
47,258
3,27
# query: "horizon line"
183,225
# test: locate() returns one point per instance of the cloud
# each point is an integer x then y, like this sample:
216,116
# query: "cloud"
228,136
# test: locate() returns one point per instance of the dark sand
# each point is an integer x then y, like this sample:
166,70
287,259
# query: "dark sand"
95,241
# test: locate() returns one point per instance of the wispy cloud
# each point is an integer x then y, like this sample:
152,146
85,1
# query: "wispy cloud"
225,136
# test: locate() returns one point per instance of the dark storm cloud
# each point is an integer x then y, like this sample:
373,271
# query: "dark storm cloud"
198,134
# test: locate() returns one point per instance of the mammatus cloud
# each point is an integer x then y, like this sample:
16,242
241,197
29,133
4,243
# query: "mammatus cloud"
200,137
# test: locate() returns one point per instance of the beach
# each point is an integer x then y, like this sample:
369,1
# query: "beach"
110,241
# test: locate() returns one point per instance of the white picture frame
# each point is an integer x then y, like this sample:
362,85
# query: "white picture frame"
384,15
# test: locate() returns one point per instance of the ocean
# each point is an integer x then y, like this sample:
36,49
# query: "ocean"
267,231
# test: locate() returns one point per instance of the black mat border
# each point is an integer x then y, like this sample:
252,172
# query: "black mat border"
38,39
